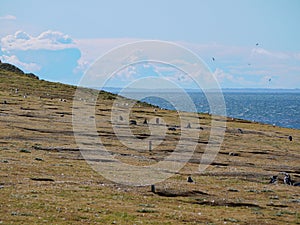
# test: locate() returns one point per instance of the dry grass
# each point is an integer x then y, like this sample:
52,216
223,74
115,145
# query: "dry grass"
44,180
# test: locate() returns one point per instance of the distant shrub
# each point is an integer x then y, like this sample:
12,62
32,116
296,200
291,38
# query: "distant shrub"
107,95
31,75
143,210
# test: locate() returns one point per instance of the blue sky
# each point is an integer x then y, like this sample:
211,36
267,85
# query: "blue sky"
59,40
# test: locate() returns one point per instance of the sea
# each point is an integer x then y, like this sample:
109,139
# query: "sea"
274,107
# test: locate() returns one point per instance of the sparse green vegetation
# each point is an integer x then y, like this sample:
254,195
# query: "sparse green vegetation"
44,179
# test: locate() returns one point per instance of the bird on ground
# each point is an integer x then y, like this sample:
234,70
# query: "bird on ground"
287,179
240,130
273,179
189,179
145,122
297,184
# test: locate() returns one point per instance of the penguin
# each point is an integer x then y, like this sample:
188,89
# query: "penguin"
189,179
273,180
287,179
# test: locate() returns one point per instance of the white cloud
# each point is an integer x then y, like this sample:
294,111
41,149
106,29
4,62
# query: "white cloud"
221,75
229,79
234,66
8,17
297,56
126,74
92,49
161,68
22,36
220,53
180,79
270,54
33,67
251,67
51,40
237,66
55,37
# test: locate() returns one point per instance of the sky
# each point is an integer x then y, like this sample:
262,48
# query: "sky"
244,43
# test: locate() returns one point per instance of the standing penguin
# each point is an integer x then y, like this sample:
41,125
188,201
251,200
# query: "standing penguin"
287,179
189,179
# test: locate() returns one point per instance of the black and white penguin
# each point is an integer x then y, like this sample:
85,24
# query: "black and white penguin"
287,179
273,179
189,179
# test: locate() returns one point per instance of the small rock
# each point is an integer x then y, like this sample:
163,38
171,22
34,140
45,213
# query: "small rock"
41,179
233,190
39,159
25,151
295,200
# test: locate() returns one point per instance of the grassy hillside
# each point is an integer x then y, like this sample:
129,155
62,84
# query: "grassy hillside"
44,179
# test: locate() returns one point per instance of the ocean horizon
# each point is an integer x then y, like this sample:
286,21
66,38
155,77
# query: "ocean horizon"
278,107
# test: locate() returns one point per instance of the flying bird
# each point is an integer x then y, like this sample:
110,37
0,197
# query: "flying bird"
213,58
256,44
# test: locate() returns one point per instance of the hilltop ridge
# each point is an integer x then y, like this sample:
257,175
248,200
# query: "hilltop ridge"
12,68
13,78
